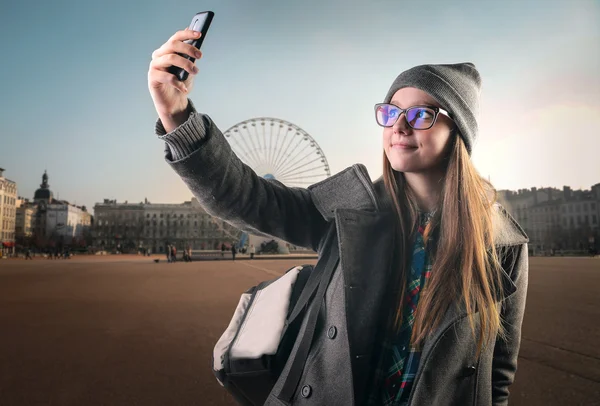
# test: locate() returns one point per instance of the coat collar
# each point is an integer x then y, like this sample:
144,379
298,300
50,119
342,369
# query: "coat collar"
353,189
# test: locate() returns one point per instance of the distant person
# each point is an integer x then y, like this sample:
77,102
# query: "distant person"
28,254
168,252
173,254
233,252
223,248
430,203
252,251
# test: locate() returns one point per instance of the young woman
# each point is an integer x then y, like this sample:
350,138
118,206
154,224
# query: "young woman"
426,305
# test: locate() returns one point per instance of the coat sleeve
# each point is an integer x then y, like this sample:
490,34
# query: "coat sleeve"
504,364
229,189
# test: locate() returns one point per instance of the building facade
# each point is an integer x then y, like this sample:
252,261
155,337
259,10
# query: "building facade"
25,219
555,219
66,222
518,203
8,214
133,227
51,223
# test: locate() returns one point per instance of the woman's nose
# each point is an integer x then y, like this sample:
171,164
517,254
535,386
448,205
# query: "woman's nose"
401,124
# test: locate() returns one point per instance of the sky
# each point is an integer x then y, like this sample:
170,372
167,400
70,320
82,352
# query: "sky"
74,96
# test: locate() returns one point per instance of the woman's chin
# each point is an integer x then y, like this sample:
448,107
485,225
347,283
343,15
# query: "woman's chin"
401,166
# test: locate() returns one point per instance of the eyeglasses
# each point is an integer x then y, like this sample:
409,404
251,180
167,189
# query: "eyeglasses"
417,117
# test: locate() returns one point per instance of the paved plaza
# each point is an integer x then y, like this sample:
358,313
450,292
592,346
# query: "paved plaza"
124,330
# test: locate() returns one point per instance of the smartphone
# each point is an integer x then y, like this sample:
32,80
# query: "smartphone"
200,22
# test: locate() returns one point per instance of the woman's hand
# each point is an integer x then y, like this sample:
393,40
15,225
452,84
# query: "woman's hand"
168,93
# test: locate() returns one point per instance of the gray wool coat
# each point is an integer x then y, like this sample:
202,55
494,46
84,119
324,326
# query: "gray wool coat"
341,359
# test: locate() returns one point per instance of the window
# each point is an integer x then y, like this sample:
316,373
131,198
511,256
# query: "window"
594,219
585,207
161,215
593,206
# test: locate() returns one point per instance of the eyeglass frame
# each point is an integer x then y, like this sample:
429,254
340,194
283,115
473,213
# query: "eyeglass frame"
436,109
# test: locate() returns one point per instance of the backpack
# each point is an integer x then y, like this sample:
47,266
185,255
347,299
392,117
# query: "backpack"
248,358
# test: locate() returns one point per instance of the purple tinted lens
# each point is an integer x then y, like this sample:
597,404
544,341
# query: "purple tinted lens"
387,114
420,117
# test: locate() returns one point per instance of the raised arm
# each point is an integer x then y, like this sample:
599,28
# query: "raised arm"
229,189
198,152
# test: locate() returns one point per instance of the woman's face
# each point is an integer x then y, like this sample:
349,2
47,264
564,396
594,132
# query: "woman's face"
410,150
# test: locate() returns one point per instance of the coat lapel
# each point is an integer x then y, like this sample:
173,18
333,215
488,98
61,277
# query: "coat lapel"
366,239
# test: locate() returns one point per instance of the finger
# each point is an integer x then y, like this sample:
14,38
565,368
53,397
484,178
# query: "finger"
171,47
165,61
185,34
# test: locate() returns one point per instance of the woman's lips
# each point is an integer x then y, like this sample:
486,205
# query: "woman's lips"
403,146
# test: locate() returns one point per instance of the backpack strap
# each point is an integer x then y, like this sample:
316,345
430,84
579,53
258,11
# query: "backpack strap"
326,267
315,277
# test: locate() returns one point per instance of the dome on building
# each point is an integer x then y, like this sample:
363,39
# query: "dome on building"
44,192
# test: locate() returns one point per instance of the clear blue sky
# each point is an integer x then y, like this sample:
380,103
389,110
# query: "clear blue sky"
74,96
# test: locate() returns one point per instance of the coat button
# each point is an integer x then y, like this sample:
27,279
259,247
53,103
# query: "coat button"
332,332
306,391
470,370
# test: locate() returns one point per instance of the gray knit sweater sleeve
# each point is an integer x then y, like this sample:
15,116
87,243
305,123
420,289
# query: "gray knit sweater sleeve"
186,138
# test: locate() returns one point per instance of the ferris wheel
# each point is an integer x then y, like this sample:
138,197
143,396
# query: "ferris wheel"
278,149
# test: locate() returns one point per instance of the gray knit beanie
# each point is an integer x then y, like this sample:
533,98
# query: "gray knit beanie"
456,87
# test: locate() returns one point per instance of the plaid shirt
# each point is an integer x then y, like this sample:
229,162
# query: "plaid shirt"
400,362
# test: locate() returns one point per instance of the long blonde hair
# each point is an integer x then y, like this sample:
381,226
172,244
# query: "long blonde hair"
465,262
